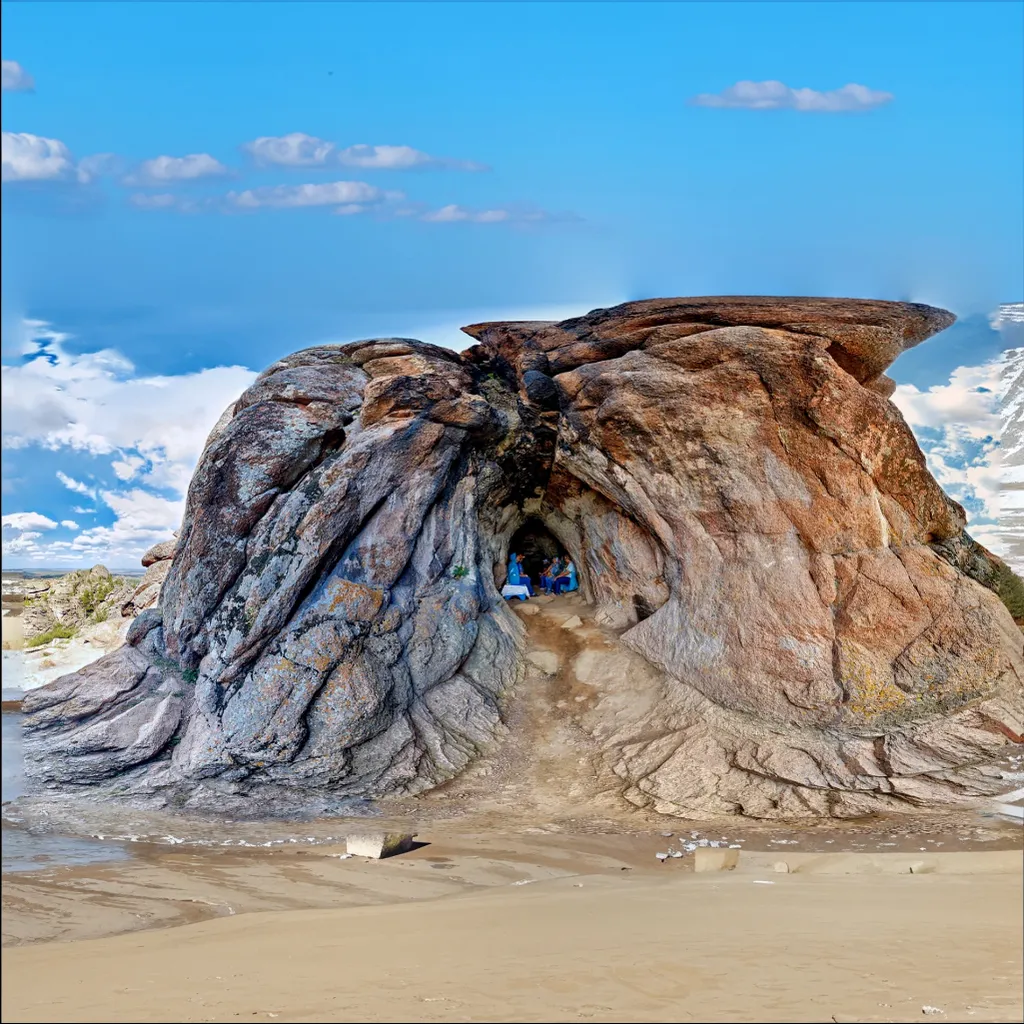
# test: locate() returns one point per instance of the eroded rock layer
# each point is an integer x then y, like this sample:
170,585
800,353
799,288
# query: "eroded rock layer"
750,515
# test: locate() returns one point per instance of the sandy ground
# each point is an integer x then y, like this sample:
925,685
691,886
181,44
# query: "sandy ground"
13,634
27,668
536,896
451,932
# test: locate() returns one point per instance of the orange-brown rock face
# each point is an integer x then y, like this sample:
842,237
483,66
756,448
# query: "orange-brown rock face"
732,468
747,511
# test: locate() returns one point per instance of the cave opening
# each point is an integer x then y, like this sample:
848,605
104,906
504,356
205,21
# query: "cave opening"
537,546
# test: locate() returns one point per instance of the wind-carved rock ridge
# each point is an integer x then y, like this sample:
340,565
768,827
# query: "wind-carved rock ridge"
748,512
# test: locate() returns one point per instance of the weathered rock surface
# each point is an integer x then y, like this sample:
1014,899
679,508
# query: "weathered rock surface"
745,508
157,563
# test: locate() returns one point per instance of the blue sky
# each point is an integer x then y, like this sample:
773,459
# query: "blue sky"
467,161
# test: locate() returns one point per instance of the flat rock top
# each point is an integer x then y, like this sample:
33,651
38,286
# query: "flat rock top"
867,334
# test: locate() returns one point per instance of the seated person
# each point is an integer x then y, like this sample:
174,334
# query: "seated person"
566,579
516,576
550,573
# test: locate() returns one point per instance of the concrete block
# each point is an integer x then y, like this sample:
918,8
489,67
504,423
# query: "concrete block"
378,845
708,859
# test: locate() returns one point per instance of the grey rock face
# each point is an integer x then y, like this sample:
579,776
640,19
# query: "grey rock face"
744,507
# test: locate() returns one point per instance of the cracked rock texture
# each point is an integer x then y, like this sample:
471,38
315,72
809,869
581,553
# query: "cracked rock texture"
752,521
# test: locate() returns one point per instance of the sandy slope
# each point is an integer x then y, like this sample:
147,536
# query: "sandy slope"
609,947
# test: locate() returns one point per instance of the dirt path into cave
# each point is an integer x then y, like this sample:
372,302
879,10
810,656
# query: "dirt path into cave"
547,766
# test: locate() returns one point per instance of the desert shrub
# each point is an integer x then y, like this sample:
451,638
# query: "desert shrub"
57,632
92,596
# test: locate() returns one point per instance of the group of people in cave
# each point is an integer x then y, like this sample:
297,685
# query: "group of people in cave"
557,577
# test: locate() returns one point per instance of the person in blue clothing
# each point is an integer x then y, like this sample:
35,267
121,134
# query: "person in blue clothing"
566,579
516,576
550,574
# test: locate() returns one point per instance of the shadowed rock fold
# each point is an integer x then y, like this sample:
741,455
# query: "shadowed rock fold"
749,514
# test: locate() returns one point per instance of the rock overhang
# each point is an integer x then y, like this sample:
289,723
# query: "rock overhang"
865,335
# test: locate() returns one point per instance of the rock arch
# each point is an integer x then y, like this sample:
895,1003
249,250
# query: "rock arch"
752,520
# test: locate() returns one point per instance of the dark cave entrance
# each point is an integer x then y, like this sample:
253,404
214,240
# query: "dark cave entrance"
537,546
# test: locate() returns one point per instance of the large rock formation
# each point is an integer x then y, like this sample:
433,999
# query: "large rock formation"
75,601
750,515
157,563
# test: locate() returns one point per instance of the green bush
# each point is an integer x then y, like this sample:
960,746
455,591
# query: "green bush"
1010,588
91,597
460,572
57,632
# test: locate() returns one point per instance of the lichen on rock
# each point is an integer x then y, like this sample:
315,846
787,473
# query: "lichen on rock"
750,516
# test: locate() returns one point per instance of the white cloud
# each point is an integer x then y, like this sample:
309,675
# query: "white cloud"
69,524
27,157
400,158
92,402
958,427
294,150
23,545
300,150
69,482
332,193
148,430
83,511
126,468
163,169
778,96
15,78
967,403
392,158
454,214
141,520
22,532
27,521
